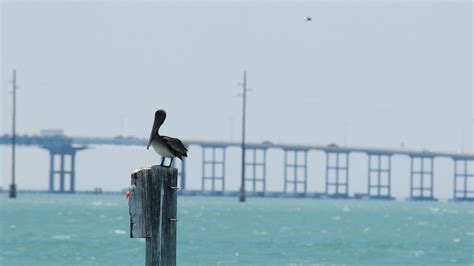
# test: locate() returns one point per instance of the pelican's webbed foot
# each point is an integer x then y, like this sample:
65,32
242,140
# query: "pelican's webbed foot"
171,163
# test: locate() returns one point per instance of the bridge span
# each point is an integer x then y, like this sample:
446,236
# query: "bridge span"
295,167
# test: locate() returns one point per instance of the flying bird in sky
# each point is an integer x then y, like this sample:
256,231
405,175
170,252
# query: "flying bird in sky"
309,18
165,146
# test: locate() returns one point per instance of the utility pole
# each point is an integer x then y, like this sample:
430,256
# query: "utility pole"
13,185
345,132
244,95
121,125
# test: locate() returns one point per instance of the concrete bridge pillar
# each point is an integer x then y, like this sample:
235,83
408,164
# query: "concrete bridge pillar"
72,184
421,177
58,174
213,169
337,174
379,176
255,167
296,171
62,172
463,189
51,171
182,175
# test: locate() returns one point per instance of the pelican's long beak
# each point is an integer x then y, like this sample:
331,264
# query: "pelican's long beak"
154,129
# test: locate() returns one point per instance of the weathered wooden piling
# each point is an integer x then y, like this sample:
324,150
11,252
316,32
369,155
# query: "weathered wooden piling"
152,207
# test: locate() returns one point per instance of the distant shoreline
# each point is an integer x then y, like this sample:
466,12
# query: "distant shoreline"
320,196
39,191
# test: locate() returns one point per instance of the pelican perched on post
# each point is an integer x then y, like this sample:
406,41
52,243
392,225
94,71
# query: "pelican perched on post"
163,145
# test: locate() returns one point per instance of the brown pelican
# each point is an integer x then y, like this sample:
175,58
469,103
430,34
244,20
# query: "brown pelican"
164,145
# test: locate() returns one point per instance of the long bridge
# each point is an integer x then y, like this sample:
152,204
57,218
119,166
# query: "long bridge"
295,167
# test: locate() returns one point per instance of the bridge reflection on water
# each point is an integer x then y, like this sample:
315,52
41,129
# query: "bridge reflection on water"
421,169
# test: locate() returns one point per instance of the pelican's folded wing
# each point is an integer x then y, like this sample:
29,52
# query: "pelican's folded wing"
176,146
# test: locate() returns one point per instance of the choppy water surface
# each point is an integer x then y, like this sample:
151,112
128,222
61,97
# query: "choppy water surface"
91,229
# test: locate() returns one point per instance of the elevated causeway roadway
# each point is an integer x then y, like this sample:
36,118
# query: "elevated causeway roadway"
295,166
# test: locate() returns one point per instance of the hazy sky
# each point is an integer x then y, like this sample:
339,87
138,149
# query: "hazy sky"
368,73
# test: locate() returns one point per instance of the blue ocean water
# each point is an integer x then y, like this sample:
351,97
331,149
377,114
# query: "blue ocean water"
47,229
